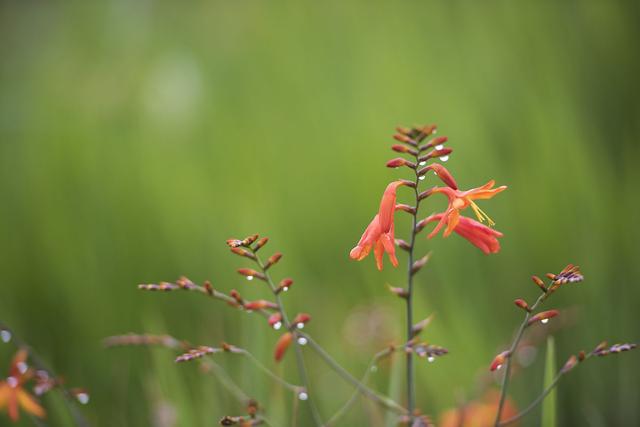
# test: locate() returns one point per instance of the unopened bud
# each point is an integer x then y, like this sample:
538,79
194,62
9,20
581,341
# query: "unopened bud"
259,305
275,319
408,183
406,208
399,161
284,285
435,141
273,259
261,243
250,274
404,138
419,327
399,148
498,361
282,345
571,363
581,356
249,240
538,281
243,252
425,194
522,304
426,131
551,276
401,292
444,175
543,316
435,154
234,243
208,288
300,320
417,266
236,296
403,245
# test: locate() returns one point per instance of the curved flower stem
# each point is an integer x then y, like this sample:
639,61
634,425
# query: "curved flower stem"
302,371
77,416
368,392
226,381
294,388
411,390
512,349
343,410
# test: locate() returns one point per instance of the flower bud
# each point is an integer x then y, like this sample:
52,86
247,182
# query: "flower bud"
442,173
419,327
259,305
403,245
522,304
405,138
243,252
399,161
434,142
406,208
249,240
234,243
399,148
284,285
273,259
275,318
250,273
282,345
417,266
236,296
538,281
543,316
208,288
571,363
498,361
400,292
581,356
435,154
261,243
300,320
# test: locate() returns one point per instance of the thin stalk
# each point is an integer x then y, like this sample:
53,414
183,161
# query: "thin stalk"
278,379
343,410
533,404
512,349
368,392
302,371
78,418
411,390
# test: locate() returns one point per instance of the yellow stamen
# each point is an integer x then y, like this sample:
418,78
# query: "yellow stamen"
482,216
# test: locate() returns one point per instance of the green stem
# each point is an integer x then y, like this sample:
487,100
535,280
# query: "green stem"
302,371
368,392
512,349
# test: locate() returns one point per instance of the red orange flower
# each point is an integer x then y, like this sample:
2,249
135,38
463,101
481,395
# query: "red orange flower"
478,413
459,200
12,394
379,234
479,235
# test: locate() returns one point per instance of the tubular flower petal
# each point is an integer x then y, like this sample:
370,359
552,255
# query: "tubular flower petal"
479,235
13,396
459,200
379,234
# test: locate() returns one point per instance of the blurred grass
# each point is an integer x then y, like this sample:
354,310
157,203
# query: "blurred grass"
135,138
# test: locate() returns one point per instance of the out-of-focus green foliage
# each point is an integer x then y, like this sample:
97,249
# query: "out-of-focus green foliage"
135,137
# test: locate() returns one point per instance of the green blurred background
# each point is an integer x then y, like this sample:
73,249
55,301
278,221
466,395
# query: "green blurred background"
135,137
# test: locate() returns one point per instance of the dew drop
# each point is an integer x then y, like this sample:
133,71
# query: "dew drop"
285,289
5,335
83,398
434,131
300,325
302,341
303,395
422,163
498,367
421,178
439,147
374,368
249,278
12,382
444,158
430,359
544,321
22,367
277,325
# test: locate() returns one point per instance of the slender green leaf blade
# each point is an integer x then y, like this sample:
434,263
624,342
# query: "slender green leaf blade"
549,404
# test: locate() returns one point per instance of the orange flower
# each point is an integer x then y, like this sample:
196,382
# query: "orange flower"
459,200
12,394
379,234
479,413
481,236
